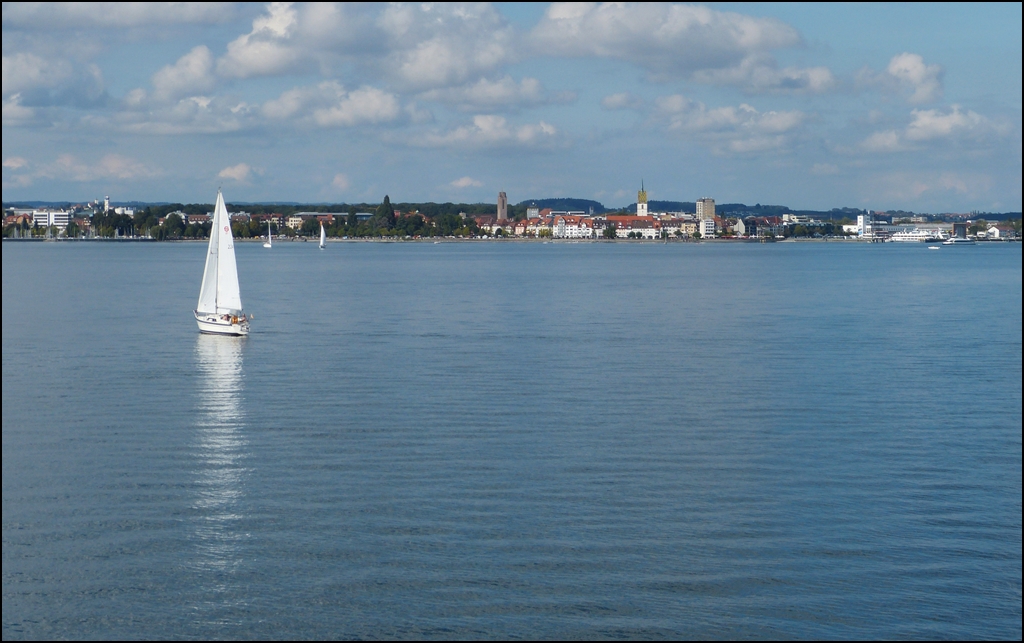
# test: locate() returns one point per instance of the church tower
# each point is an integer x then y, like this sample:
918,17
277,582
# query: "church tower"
641,201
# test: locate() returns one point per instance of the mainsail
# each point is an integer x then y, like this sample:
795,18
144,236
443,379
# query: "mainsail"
220,293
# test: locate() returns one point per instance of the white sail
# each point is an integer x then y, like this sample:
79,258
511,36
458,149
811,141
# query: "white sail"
229,300
323,236
208,292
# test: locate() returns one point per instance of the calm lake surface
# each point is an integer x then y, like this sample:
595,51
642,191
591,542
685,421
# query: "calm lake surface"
501,440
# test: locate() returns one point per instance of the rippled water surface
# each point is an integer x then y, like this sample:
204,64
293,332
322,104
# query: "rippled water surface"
500,440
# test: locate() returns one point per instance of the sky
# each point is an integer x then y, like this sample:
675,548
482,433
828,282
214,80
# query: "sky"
910,106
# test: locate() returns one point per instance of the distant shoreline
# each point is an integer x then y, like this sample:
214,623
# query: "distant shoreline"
438,240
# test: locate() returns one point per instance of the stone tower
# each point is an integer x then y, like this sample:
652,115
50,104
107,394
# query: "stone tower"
502,206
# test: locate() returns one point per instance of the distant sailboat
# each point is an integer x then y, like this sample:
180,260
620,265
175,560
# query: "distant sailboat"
270,237
323,236
220,305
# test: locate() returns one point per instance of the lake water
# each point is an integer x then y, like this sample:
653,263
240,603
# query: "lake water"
501,440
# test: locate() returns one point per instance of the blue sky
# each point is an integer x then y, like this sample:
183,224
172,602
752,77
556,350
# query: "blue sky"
915,107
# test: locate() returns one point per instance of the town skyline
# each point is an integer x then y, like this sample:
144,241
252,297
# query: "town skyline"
817,107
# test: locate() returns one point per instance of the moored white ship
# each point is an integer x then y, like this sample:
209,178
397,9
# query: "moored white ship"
219,311
917,235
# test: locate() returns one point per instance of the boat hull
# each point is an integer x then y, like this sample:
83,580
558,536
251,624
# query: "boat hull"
217,324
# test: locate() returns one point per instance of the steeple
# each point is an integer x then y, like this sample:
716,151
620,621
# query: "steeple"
641,201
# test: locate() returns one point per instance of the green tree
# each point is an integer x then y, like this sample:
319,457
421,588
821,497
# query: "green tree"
310,227
384,217
173,227
609,232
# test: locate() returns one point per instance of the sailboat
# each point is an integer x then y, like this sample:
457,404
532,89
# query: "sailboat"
220,305
323,236
270,237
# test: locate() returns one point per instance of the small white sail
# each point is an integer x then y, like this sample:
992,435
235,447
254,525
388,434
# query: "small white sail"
270,236
323,236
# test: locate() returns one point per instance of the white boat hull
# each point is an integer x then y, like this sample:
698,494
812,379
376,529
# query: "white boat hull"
222,324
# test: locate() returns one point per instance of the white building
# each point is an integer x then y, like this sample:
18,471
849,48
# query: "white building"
571,226
864,224
707,227
47,218
641,201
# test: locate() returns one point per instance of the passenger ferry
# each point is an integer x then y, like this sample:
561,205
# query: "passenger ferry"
918,235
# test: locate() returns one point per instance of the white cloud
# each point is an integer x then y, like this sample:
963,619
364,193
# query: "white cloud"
266,49
329,105
79,15
31,80
466,182
741,129
110,166
910,186
191,74
238,172
680,41
340,181
26,71
909,75
824,169
502,94
415,47
440,45
14,113
191,115
364,105
493,131
623,100
15,163
924,81
887,141
930,125
757,74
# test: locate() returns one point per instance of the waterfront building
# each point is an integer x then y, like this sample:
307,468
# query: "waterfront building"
47,218
641,201
1002,231
707,228
864,224
572,226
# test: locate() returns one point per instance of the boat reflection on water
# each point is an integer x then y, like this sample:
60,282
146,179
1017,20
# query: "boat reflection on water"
220,454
